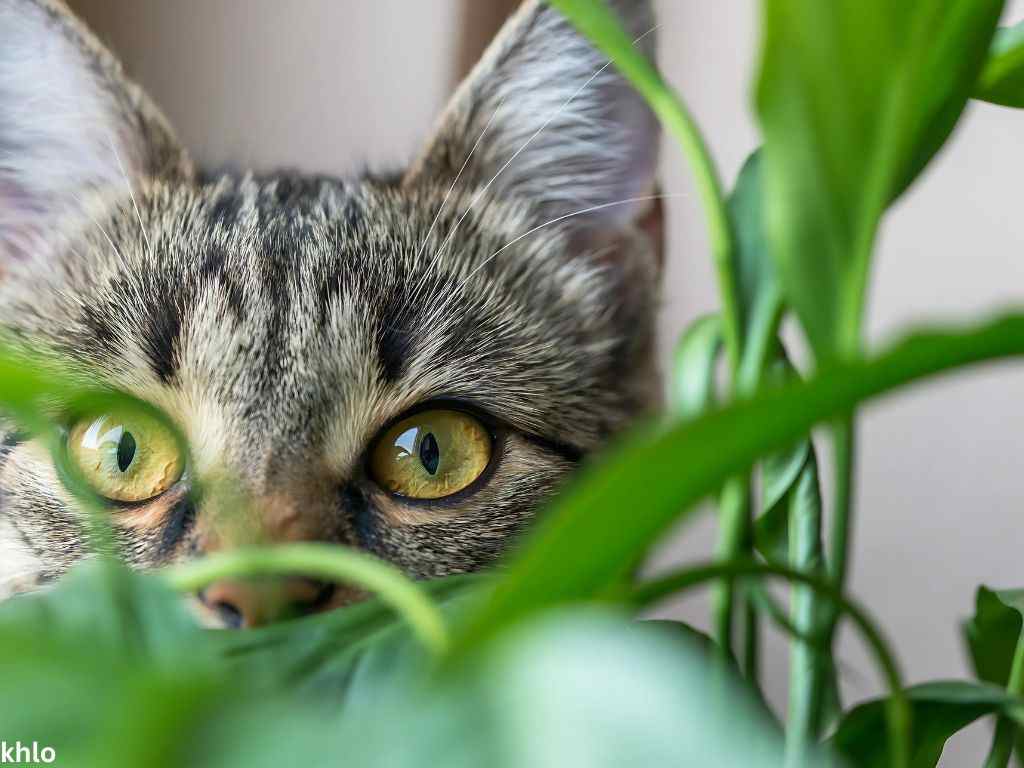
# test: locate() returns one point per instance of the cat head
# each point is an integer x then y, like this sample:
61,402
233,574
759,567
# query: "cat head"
408,364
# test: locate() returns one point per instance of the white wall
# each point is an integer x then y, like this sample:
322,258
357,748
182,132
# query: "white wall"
329,85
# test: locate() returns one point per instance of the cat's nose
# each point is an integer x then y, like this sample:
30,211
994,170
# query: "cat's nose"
254,603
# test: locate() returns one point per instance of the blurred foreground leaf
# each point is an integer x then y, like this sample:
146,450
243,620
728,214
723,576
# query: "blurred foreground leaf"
110,671
581,689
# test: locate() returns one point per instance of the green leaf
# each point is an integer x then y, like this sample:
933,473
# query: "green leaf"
756,275
585,688
139,683
992,633
993,638
759,297
780,473
693,385
790,489
331,653
940,710
101,600
1002,79
854,97
111,649
657,478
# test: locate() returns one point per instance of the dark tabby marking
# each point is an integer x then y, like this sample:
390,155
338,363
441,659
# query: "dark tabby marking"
283,321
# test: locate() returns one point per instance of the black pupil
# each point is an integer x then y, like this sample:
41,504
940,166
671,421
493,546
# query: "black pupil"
430,454
125,451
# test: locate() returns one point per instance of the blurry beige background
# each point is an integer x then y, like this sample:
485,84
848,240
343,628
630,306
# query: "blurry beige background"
336,85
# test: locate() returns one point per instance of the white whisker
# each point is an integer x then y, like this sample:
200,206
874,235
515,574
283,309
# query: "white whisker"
458,176
437,216
563,217
138,215
99,226
526,144
458,288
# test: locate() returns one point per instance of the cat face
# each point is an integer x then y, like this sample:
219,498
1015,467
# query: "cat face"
408,365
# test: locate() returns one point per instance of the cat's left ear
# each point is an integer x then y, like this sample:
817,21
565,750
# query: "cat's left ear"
557,125
69,122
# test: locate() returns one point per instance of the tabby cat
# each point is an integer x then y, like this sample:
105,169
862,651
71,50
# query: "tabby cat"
408,364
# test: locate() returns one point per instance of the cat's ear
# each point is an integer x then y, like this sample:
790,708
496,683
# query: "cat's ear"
69,122
556,123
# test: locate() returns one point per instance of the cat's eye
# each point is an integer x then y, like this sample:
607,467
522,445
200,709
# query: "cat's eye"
125,456
431,454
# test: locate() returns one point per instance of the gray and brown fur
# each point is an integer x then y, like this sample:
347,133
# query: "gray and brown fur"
282,321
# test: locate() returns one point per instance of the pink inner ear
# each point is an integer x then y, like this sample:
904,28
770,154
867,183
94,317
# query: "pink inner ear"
652,223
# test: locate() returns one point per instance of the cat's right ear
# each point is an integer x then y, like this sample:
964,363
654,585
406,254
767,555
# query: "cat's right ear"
544,117
70,122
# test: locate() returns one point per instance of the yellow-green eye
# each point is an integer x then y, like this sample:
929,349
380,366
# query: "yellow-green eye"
125,456
431,454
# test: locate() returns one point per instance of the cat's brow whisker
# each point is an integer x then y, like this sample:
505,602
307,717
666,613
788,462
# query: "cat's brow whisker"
458,176
592,209
526,144
563,217
99,226
437,216
135,205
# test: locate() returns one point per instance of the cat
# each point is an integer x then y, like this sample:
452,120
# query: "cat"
409,364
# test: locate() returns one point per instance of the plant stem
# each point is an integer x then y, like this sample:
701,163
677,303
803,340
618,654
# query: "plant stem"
733,541
1006,728
843,448
899,713
323,561
805,670
751,640
598,23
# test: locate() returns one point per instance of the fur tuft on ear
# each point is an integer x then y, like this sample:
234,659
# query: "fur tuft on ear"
557,124
69,122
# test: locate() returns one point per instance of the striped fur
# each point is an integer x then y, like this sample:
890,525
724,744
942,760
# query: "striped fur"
283,321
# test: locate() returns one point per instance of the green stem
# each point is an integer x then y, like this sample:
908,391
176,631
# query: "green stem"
328,562
762,336
677,119
734,515
843,452
1006,728
766,317
751,640
598,23
766,603
837,566
806,663
899,713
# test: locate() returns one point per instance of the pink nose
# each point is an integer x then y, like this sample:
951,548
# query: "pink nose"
254,603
